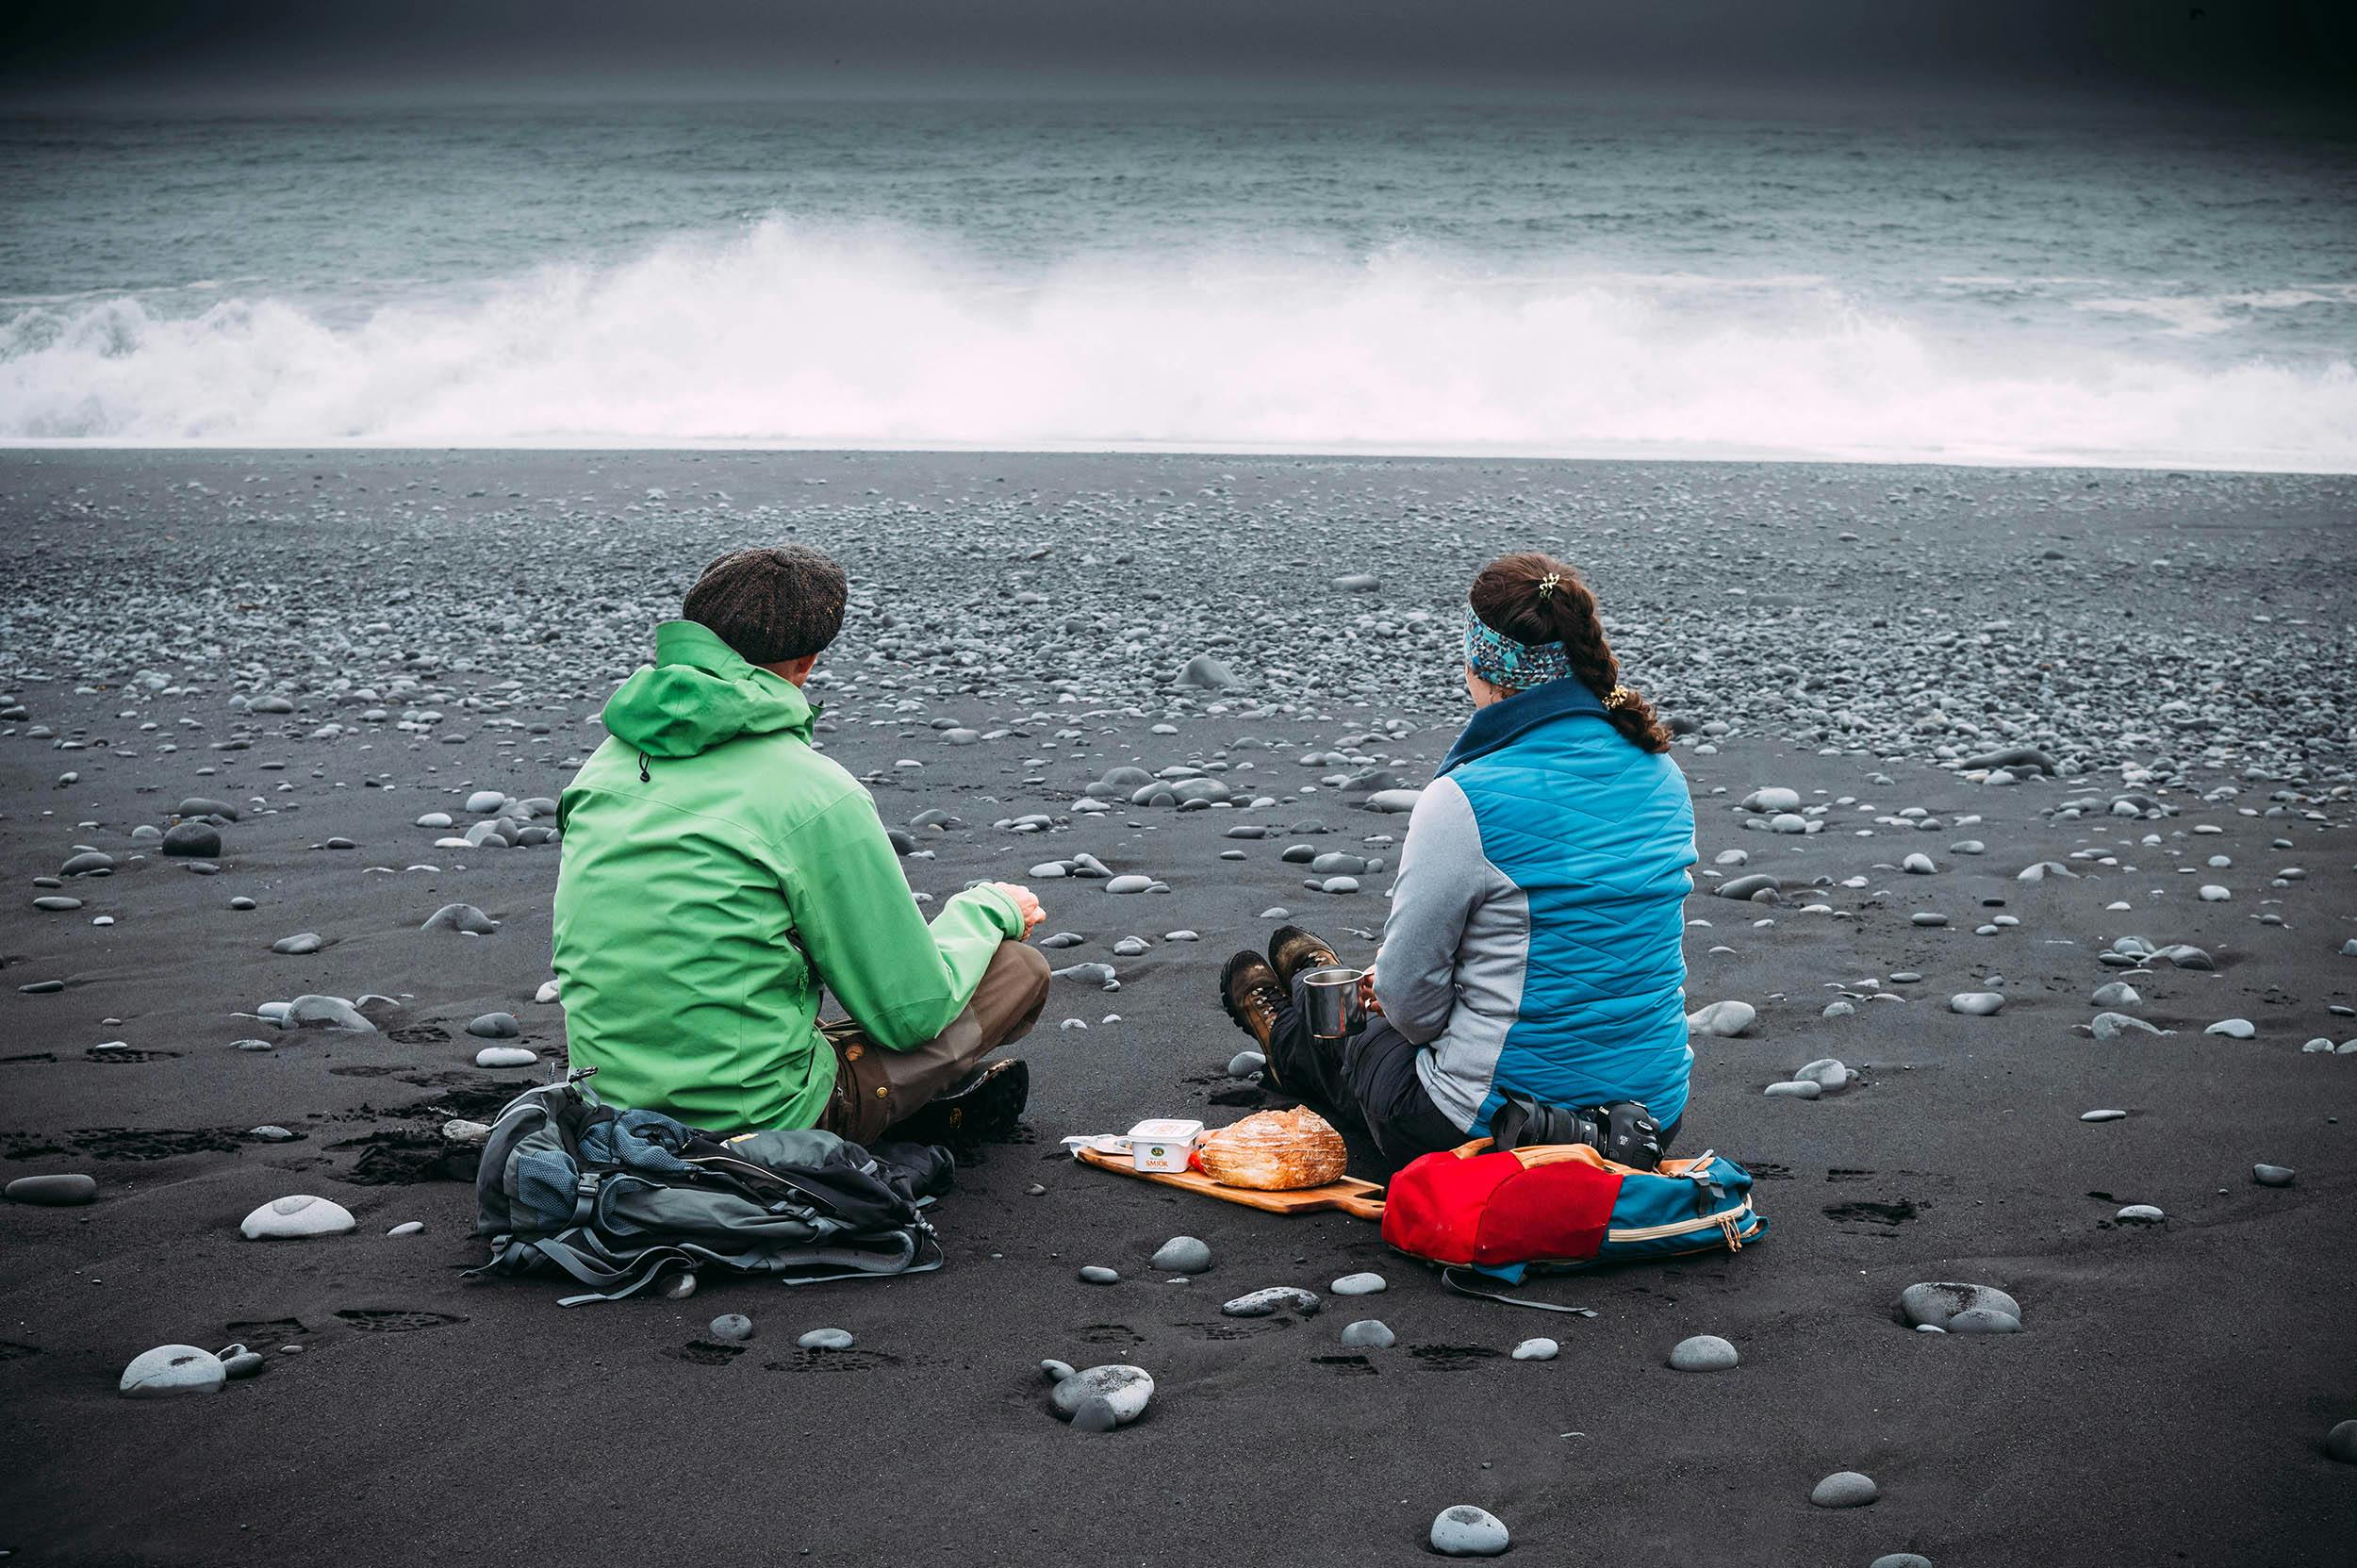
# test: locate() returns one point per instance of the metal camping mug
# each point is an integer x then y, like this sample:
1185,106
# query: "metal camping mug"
1331,998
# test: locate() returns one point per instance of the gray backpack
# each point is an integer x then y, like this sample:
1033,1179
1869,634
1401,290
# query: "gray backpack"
618,1199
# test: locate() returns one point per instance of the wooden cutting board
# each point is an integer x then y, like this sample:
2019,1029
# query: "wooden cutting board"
1359,1199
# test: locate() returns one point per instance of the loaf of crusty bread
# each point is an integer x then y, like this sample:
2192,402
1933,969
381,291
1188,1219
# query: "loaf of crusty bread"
1274,1151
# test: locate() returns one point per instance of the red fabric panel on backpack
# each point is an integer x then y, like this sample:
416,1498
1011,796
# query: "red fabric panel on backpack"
1557,1210
1433,1209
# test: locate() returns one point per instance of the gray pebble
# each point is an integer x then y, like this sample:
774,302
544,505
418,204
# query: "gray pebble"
732,1326
1536,1350
195,840
1360,1284
2273,1176
1276,1298
1702,1353
1844,1489
172,1369
1126,1389
1369,1334
1182,1255
61,1190
1936,1302
826,1339
1465,1530
1096,1274
495,1026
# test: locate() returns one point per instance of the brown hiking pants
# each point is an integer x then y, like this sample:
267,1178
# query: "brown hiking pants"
875,1087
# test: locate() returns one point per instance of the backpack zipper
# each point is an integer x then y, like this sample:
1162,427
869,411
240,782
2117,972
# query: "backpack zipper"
1728,1221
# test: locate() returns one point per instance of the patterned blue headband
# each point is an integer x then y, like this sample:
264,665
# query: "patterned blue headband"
1503,662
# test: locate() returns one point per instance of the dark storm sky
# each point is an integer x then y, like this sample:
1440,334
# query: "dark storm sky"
229,51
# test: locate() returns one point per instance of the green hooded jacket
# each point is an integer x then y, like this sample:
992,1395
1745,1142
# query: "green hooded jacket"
715,871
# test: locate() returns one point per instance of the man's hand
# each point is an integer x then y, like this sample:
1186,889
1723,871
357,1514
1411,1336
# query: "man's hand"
1025,900
1366,992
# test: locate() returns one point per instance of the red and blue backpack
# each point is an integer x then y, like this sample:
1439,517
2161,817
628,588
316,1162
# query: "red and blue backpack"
1504,1213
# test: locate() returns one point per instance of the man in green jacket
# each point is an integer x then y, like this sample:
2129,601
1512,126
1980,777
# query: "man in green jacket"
716,872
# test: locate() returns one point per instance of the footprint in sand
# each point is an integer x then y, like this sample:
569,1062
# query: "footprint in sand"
371,1321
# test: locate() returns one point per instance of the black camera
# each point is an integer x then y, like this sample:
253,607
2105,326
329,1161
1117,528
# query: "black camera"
1623,1132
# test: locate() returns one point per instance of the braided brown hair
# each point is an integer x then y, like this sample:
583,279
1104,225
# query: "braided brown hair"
1512,597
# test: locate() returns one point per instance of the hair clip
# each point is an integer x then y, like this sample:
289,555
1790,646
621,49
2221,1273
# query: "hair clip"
1622,697
1548,584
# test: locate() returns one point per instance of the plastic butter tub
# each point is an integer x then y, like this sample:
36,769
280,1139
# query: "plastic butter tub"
1164,1143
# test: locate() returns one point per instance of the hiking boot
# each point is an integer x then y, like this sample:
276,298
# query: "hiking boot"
1293,951
980,1107
1249,992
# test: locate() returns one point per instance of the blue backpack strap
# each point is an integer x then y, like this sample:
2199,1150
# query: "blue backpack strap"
1448,1277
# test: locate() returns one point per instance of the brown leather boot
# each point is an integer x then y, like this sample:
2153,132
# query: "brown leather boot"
1290,951
1249,992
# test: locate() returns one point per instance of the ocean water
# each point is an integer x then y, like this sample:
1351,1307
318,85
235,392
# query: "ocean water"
1444,278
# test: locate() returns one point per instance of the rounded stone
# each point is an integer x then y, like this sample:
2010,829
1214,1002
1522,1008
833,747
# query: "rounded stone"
60,1190
1465,1530
2140,1214
318,1011
2234,1029
505,1056
1536,1350
1276,1298
1725,1019
495,1026
1934,1303
2341,1443
1360,1284
1704,1353
407,1227
1095,1415
1844,1489
237,1363
193,840
1984,1320
1096,1274
171,1369
1369,1333
1126,1388
2104,1115
2273,1176
1977,1004
733,1328
1828,1073
1796,1091
826,1339
1246,1062
1182,1255
297,1214
1130,883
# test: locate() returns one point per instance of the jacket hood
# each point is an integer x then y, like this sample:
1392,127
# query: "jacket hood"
699,693
1504,722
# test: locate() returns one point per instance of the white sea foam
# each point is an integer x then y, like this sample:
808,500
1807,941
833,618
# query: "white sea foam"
781,335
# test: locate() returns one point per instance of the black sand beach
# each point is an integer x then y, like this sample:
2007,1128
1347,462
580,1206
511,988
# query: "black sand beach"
2182,646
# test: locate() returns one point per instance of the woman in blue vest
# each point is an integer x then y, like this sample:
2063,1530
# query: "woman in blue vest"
1530,985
